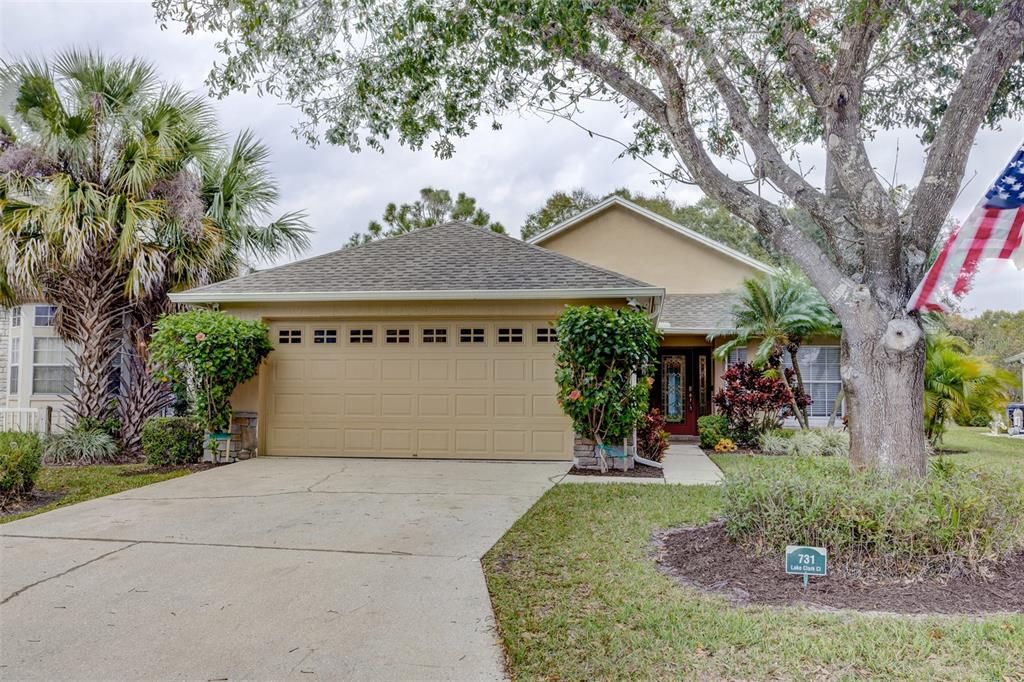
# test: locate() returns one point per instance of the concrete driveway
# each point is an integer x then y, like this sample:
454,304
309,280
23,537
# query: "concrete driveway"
270,568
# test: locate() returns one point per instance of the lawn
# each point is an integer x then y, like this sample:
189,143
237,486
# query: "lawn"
85,483
577,596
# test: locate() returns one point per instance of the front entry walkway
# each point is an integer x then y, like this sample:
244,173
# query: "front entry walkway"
684,464
294,568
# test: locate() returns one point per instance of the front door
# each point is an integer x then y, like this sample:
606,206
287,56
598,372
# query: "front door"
682,388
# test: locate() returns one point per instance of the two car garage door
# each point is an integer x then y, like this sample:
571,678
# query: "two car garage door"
475,389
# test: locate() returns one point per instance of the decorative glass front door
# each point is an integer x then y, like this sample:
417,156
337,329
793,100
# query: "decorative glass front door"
673,387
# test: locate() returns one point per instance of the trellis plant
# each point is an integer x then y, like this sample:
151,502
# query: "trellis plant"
208,353
605,367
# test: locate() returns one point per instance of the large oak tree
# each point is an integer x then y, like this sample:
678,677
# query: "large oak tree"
707,81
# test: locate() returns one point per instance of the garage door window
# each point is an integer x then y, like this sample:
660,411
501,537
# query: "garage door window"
360,336
510,335
289,336
471,335
435,335
325,336
547,335
396,336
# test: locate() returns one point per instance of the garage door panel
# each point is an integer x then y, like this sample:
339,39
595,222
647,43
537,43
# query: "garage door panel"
442,399
361,405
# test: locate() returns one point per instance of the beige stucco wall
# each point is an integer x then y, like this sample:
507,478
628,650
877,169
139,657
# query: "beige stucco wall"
623,241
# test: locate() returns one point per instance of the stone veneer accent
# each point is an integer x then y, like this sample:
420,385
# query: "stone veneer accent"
243,437
584,456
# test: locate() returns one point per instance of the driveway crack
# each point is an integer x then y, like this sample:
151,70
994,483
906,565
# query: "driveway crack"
64,573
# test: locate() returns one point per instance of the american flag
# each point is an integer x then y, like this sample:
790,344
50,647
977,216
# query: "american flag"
995,229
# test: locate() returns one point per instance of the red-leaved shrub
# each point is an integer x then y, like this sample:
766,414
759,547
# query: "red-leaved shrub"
755,402
651,436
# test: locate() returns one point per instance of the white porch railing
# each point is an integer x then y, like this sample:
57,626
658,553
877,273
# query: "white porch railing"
26,419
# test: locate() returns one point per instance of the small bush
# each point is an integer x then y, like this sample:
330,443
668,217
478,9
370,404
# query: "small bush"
20,458
651,436
773,443
110,425
834,443
756,401
805,444
956,520
712,428
172,441
80,447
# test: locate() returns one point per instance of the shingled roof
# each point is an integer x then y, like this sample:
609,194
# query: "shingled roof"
697,313
453,260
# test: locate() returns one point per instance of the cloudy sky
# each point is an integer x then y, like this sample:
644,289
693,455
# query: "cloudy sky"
510,172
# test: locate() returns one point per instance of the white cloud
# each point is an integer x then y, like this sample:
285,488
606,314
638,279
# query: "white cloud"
509,171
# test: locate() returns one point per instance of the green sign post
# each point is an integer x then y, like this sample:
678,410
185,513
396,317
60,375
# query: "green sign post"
806,561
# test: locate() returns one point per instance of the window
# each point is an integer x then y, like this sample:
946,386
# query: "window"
510,334
16,317
819,367
471,335
289,336
12,377
547,335
435,335
360,336
52,372
396,336
325,336
737,356
44,315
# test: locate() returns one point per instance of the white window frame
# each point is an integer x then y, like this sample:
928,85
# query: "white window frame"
16,317
546,335
737,356
434,335
511,335
50,316
65,356
14,369
826,389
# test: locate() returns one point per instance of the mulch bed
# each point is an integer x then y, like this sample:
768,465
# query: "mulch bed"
638,471
200,466
30,501
706,559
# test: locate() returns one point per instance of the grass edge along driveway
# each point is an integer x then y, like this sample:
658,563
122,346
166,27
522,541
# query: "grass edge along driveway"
577,596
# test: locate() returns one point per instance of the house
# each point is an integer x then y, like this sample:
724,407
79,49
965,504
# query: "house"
440,342
36,368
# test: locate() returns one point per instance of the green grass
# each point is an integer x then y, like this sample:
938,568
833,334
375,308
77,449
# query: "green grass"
578,597
981,450
85,483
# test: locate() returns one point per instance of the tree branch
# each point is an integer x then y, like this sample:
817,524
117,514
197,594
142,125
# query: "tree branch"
975,21
999,46
766,217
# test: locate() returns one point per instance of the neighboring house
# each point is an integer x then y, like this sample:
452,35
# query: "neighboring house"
440,342
37,367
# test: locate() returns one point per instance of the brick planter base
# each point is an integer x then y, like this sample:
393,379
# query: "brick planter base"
585,456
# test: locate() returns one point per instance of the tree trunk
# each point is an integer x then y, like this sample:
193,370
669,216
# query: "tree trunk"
801,413
142,396
89,319
882,371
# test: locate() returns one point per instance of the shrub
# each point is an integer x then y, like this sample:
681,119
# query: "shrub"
80,447
773,443
20,458
651,436
209,354
725,445
755,402
712,428
171,441
600,352
955,520
834,443
110,425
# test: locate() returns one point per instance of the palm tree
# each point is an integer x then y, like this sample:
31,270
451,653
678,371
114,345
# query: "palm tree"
780,312
958,385
88,143
115,189
237,193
